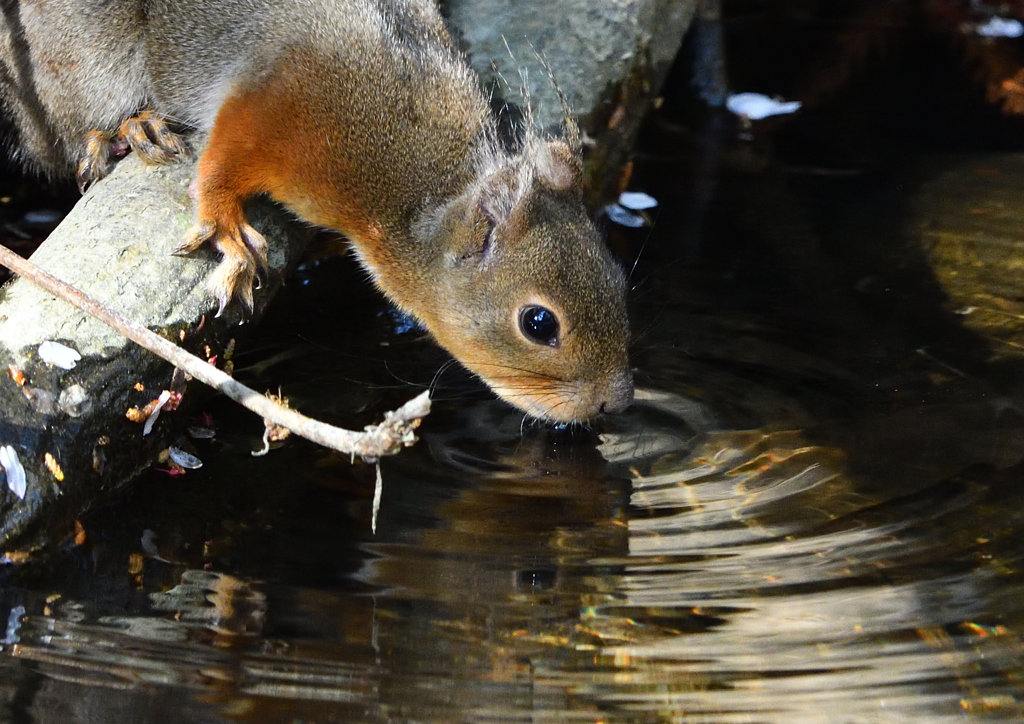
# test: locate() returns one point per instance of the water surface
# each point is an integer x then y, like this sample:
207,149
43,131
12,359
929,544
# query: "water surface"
813,512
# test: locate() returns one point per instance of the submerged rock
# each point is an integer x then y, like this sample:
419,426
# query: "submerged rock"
968,218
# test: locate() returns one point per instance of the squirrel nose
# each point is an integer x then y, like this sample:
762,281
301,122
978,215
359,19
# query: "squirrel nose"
620,395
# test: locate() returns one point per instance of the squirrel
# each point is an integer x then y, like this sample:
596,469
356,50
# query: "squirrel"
360,116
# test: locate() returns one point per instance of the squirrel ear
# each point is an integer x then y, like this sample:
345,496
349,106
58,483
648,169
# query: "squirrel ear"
463,229
498,194
557,166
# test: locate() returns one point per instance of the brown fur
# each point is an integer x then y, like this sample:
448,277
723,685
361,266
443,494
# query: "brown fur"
358,115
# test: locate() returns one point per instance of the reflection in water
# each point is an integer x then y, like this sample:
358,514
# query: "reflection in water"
813,588
812,514
688,573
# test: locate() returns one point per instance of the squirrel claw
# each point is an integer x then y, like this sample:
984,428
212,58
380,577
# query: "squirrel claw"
232,279
198,235
151,139
146,133
95,164
84,179
244,252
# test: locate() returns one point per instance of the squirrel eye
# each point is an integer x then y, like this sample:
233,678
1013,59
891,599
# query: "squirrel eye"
539,324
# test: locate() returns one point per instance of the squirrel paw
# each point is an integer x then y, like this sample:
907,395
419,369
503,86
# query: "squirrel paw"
145,133
244,262
95,164
150,138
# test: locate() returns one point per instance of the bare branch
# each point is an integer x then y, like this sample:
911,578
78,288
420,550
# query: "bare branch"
387,438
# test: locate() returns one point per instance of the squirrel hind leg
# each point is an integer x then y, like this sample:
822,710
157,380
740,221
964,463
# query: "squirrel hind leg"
232,168
243,251
148,135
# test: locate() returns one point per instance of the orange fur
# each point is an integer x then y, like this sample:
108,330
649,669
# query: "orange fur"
360,116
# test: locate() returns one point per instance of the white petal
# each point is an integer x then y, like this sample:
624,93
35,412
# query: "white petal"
151,420
198,432
184,459
58,355
637,200
624,217
149,543
1000,28
756,106
378,490
13,626
42,216
15,472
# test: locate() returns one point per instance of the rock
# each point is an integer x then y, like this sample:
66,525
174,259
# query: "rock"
68,426
116,246
969,218
610,60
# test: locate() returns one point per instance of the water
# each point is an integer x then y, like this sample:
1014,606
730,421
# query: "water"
812,514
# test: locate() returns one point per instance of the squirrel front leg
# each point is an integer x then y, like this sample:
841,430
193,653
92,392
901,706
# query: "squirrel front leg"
145,133
231,169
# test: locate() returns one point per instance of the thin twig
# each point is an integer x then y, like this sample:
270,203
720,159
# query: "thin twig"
387,438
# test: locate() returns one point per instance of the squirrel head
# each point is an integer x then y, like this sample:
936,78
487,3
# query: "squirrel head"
524,293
